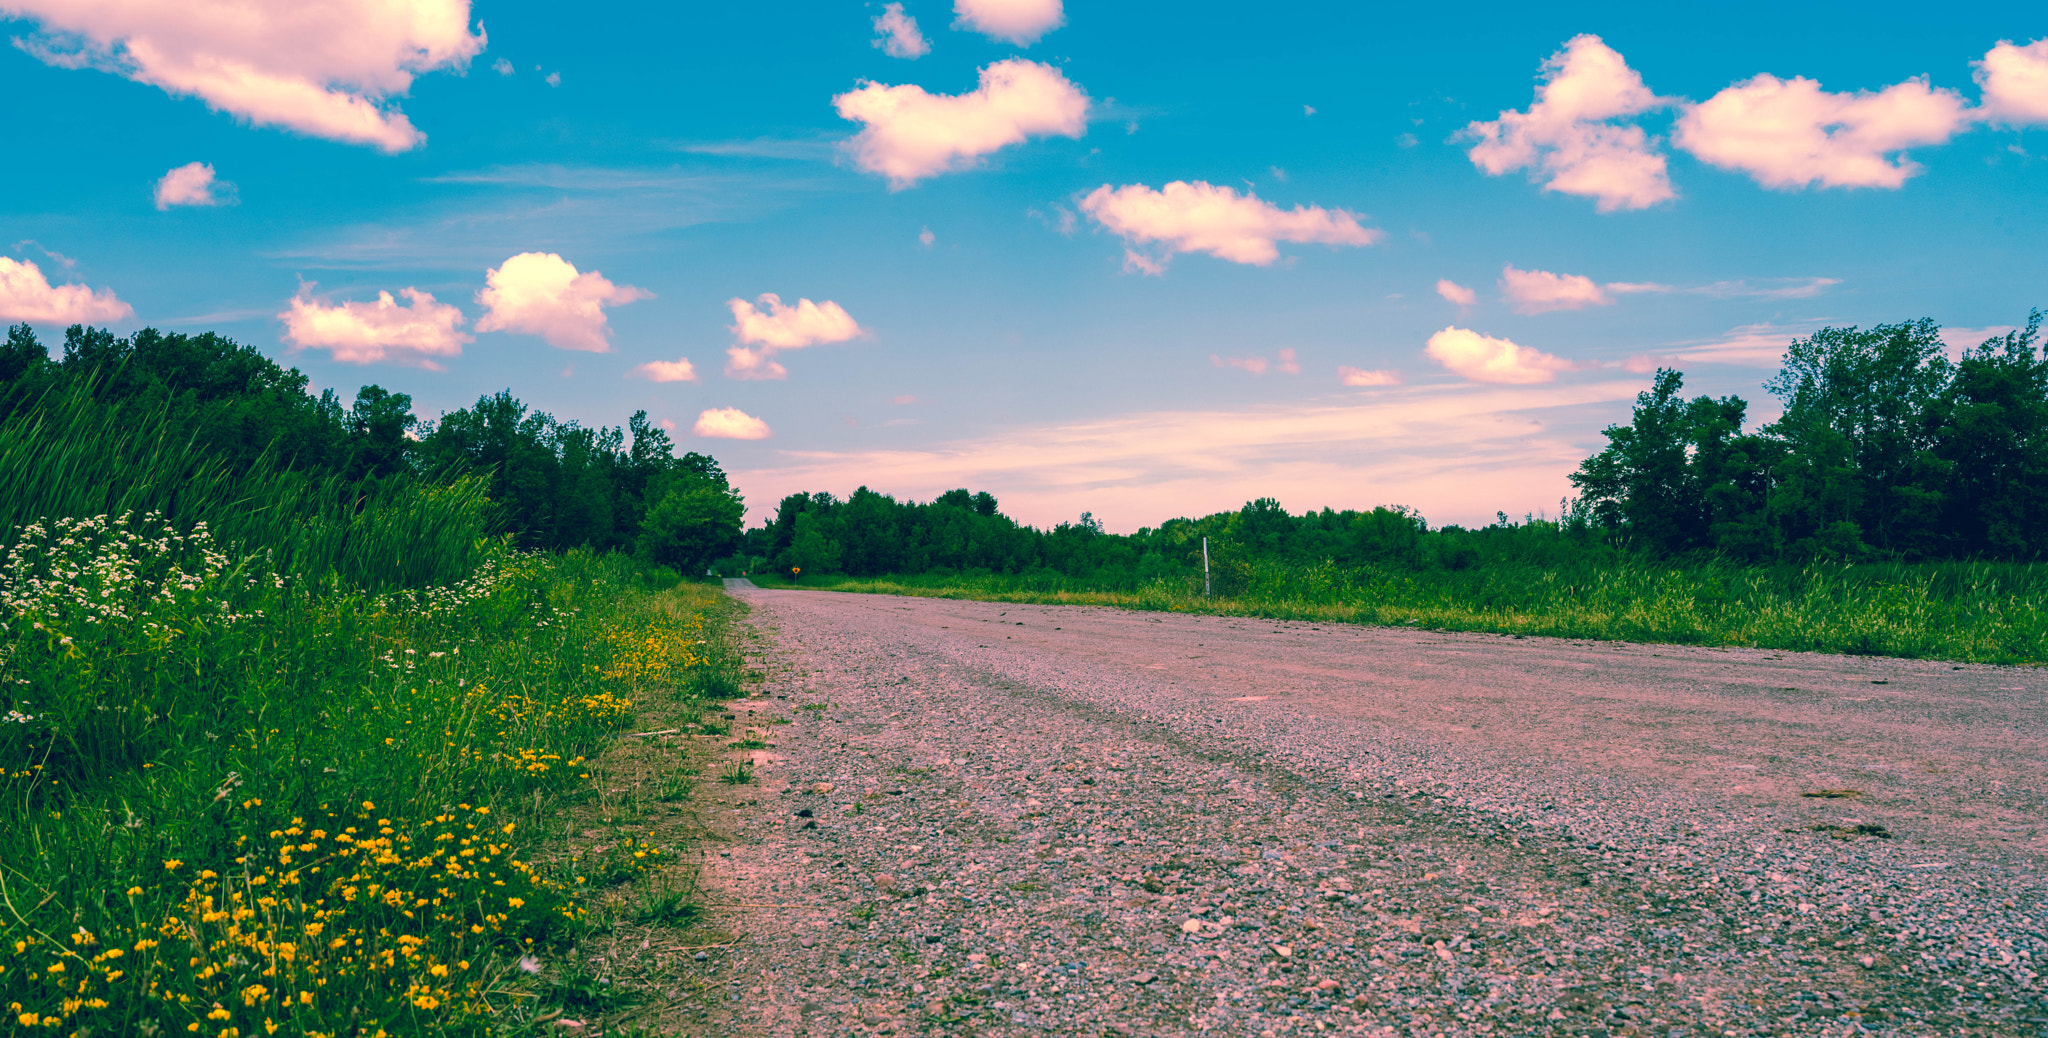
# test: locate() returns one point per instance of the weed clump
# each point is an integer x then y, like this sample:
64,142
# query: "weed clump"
249,799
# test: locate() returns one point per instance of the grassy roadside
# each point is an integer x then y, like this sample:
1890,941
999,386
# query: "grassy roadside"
1981,613
246,799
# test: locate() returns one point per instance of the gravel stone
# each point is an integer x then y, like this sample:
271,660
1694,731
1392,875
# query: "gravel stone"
1162,824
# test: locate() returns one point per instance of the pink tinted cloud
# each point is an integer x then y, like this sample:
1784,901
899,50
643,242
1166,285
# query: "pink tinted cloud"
540,293
1790,134
1021,22
2014,81
1540,291
730,423
27,296
1285,364
911,135
1483,358
1456,293
666,371
1351,376
193,184
771,327
1750,345
325,69
1569,137
1458,450
379,332
896,33
1201,217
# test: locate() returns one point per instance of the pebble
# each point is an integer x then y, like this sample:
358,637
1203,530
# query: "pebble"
1043,854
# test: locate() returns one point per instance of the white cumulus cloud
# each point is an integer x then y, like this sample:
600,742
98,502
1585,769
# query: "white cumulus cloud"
193,184
2014,80
1540,291
1569,138
666,371
1201,217
540,293
372,333
1456,293
771,327
27,296
730,423
1792,134
911,135
1483,358
327,69
897,34
1020,22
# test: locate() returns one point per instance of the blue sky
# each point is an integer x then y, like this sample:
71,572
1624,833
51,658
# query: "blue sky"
1030,309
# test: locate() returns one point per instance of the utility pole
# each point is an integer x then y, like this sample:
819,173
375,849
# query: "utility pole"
1205,567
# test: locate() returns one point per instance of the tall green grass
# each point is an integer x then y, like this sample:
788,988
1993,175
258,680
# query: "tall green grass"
71,455
281,755
1978,612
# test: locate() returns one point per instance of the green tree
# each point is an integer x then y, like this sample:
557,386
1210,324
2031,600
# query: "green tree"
1679,476
1857,428
379,422
21,354
693,524
1991,429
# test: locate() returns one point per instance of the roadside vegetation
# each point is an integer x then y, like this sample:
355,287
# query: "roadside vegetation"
1976,612
296,715
1898,507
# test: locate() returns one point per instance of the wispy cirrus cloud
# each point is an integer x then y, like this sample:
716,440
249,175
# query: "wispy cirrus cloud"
1259,365
1759,345
1364,377
1540,291
665,371
1458,451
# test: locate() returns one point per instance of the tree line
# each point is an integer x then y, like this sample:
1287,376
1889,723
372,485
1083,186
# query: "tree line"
1886,449
552,484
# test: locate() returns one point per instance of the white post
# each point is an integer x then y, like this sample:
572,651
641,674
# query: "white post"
1205,567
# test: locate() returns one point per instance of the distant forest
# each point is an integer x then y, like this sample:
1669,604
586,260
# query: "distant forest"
1887,450
552,485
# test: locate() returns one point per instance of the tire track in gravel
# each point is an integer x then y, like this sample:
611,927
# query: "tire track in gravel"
975,837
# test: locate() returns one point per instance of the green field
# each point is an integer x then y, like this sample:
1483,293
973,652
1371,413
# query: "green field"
1974,612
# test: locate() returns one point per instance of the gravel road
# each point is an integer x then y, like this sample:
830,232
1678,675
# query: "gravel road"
998,819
